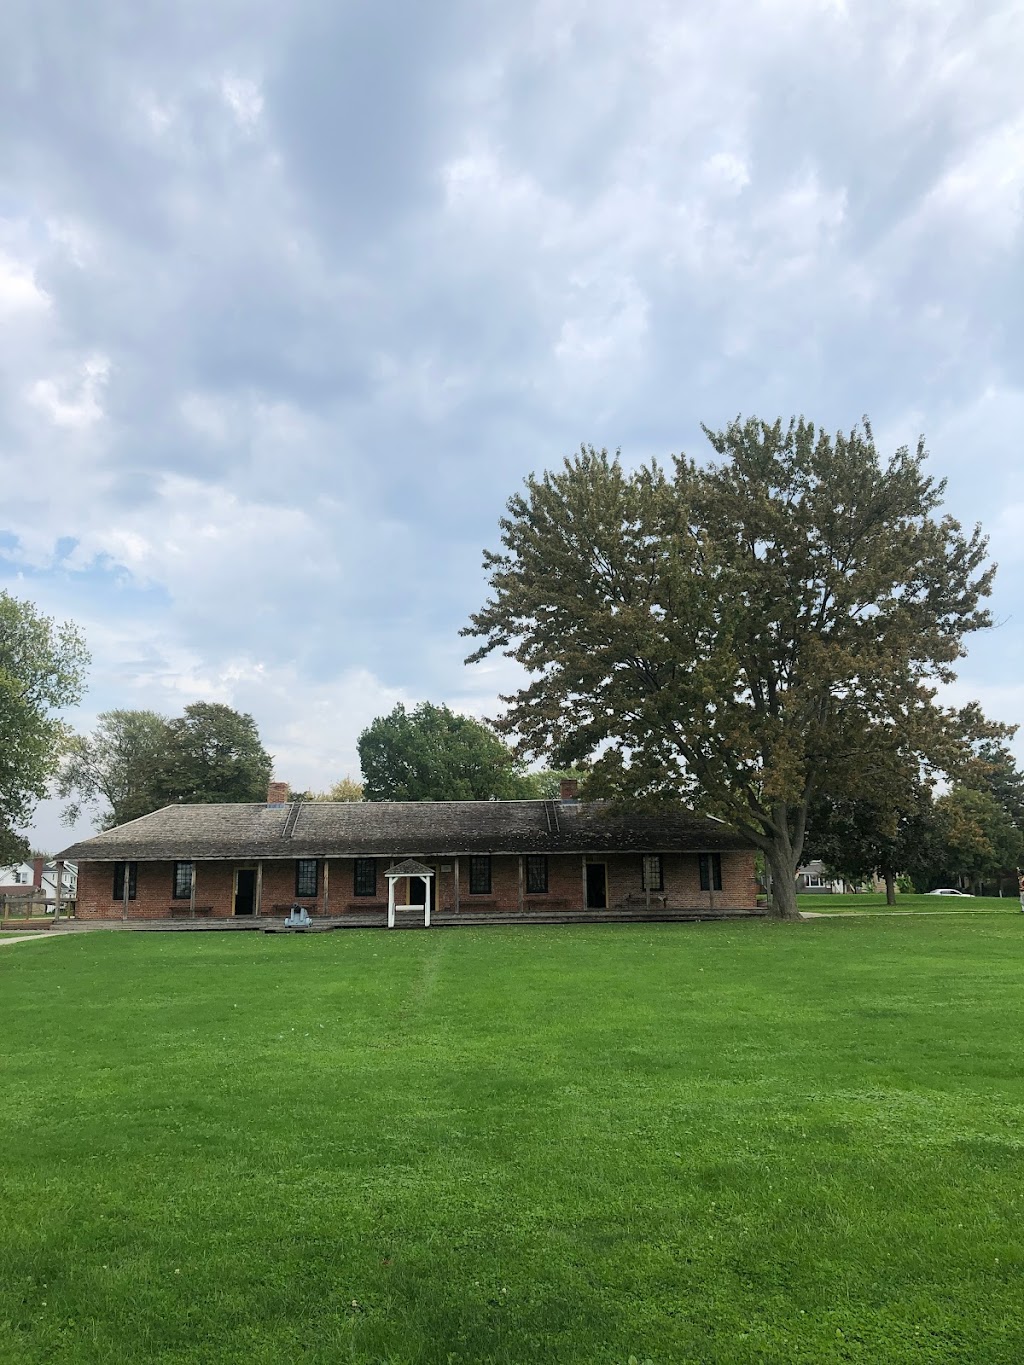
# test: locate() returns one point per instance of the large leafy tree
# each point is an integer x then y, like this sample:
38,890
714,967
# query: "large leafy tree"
42,669
117,769
213,754
433,754
735,631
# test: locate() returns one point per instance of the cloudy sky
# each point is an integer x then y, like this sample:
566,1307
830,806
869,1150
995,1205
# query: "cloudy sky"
293,293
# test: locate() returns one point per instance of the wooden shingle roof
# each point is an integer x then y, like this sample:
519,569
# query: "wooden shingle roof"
318,829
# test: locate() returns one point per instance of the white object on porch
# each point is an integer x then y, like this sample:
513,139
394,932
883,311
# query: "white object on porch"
409,868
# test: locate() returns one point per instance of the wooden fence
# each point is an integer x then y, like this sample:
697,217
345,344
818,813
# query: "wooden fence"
36,906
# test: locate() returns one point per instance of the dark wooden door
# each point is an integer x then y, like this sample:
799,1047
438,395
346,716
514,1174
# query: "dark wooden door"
245,891
597,891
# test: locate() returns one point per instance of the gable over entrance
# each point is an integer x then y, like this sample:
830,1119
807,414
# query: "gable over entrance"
415,871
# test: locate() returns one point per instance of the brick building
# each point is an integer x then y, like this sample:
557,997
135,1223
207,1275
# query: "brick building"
461,858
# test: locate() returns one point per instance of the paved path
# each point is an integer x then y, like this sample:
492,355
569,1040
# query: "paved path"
891,914
40,934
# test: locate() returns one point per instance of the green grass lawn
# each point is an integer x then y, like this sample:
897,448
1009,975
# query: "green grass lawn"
873,902
674,1143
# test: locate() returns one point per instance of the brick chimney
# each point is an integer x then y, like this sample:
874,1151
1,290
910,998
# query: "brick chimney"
37,872
277,794
568,788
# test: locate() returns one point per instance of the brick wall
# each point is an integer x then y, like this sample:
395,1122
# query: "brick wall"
279,887
154,891
215,886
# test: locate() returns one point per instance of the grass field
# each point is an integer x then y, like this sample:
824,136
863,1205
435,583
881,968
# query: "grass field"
711,1143
871,902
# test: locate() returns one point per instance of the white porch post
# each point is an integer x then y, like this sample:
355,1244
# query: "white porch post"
192,892
59,869
124,890
391,902
259,887
327,883
426,908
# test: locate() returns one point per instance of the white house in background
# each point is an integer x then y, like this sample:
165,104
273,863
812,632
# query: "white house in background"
68,880
813,880
17,879
22,879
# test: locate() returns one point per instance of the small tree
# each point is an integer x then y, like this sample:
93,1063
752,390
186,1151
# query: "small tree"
42,669
347,789
433,754
546,785
734,632
117,768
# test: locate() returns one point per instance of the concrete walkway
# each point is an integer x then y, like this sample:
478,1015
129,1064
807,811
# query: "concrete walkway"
39,935
892,914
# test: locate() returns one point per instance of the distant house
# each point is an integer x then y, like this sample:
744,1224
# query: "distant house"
68,880
38,878
815,881
460,858
18,879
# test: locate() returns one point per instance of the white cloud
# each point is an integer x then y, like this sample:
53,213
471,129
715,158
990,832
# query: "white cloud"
603,338
203,535
19,292
244,98
984,190
727,171
1006,532
73,399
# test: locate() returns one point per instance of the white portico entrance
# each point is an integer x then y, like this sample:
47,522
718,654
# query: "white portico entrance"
409,868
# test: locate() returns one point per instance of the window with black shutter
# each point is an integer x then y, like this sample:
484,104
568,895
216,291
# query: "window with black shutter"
536,874
119,880
711,871
479,875
305,877
654,876
365,877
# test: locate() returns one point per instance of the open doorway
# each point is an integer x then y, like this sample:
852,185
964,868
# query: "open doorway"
245,891
419,888
597,887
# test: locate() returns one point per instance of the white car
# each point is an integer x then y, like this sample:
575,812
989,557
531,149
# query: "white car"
948,891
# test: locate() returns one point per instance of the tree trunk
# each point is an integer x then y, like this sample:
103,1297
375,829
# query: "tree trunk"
890,886
782,862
